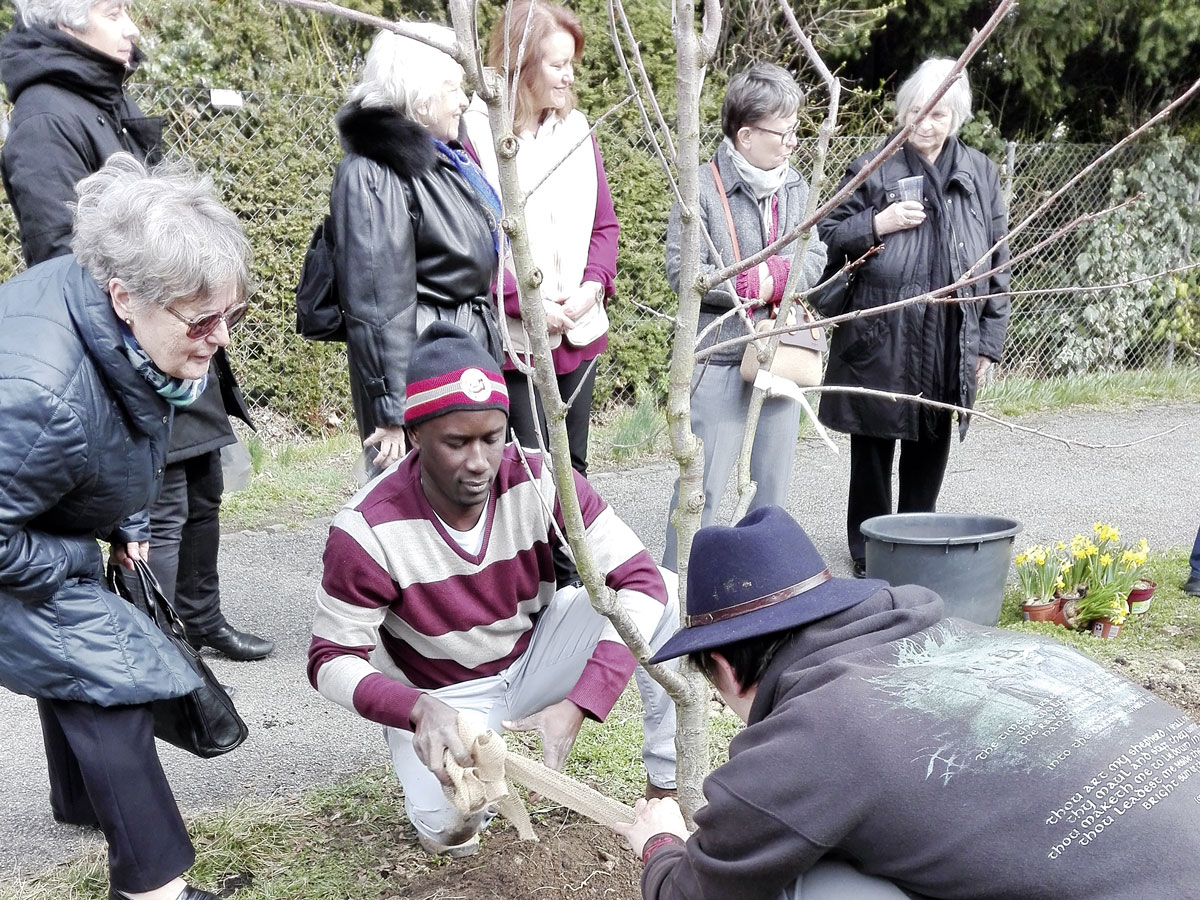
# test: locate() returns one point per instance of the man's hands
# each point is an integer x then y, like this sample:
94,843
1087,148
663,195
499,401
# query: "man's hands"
435,730
558,725
651,817
125,554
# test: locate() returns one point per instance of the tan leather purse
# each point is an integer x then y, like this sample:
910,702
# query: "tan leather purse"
798,355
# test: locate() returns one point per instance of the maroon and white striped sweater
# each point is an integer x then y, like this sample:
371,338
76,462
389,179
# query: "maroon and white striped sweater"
403,608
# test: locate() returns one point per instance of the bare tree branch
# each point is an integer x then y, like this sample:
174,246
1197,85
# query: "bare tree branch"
457,51
591,133
977,414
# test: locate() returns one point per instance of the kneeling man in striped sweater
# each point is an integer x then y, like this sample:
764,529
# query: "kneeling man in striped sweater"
439,596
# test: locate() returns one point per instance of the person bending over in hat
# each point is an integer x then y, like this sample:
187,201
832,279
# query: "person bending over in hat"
439,597
891,752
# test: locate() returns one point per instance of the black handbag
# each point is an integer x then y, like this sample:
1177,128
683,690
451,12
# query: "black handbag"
204,722
318,307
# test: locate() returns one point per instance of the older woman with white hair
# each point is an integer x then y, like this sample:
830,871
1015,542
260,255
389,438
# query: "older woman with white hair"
414,226
931,212
124,331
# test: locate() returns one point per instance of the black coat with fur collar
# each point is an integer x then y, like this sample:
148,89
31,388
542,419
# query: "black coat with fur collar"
412,245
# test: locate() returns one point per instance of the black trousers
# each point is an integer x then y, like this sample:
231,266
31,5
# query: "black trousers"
104,770
186,538
521,427
520,417
922,467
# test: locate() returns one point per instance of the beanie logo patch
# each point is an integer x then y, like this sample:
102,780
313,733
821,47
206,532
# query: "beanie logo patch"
475,385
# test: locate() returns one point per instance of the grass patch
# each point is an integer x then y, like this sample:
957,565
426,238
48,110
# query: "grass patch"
629,434
328,844
293,482
1018,395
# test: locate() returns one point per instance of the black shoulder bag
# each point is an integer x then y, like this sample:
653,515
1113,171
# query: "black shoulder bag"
204,722
318,307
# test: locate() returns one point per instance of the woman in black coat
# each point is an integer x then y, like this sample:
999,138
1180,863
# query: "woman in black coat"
121,340
64,65
936,350
414,224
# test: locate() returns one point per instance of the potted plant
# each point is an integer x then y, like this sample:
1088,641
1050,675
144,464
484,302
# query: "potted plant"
1076,560
1113,565
1038,574
1103,609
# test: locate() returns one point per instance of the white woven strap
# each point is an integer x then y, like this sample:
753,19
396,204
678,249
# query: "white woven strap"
487,783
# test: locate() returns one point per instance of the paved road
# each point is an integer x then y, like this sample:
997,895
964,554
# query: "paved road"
299,740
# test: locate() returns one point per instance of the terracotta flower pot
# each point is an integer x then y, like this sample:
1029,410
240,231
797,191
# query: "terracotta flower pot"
1069,618
1043,612
1105,628
1139,597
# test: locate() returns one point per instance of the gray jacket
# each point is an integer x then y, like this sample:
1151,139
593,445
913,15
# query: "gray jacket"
793,197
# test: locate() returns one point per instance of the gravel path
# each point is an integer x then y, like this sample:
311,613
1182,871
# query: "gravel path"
299,740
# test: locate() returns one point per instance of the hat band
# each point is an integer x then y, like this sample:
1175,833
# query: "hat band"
759,602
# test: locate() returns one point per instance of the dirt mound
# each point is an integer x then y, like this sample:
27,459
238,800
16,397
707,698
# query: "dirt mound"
574,859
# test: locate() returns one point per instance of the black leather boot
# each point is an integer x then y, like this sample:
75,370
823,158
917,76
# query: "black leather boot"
240,645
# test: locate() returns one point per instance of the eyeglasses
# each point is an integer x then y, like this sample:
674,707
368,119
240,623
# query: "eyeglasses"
784,136
203,325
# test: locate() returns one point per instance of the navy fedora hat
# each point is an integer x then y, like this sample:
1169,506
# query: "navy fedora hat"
757,577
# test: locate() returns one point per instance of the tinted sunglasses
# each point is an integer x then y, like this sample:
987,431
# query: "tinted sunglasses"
204,325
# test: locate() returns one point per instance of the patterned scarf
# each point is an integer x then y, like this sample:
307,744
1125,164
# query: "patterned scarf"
178,392
485,194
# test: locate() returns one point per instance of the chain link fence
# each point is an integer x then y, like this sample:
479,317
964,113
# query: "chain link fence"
272,158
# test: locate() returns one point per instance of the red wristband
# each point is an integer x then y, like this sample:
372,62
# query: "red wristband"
656,841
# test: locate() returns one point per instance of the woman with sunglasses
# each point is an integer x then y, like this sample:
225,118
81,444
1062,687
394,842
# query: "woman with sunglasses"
124,331
766,199
65,63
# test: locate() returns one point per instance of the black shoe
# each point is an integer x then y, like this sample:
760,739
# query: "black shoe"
859,568
1192,586
189,893
192,893
240,645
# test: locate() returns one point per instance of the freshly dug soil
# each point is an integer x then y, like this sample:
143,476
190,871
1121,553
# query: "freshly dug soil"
574,858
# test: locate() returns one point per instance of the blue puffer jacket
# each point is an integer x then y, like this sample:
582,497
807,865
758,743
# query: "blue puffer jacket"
83,440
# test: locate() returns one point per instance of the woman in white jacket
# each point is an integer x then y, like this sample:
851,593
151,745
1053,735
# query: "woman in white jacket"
570,219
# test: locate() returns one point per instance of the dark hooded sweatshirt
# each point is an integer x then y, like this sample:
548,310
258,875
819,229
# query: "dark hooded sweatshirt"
954,760
70,114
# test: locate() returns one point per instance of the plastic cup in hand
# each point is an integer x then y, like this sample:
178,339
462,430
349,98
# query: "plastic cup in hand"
912,188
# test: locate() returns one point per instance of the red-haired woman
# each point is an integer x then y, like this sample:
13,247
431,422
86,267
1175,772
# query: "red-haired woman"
572,226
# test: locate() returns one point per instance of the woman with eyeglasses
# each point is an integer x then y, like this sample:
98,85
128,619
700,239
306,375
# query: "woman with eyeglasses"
124,331
64,64
766,199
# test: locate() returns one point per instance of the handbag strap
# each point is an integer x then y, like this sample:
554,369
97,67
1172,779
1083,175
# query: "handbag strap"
737,251
158,607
